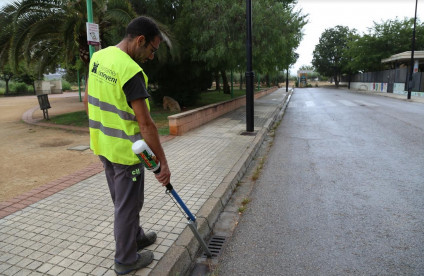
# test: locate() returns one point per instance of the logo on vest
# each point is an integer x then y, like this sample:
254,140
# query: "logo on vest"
95,65
105,73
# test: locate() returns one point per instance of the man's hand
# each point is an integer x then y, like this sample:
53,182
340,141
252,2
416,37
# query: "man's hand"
164,176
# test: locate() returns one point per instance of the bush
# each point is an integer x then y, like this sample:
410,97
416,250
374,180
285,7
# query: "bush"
182,82
18,88
66,85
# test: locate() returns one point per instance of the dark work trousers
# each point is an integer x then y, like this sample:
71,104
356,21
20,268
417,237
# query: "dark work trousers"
126,185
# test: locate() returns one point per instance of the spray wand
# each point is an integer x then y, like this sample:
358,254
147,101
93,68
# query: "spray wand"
150,162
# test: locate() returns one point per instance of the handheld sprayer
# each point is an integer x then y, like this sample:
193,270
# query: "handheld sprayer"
150,162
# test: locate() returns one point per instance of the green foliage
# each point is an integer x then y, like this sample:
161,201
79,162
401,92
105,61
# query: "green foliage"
20,88
328,56
282,27
66,85
210,97
2,87
382,40
208,38
49,33
307,67
182,81
212,41
78,118
343,51
218,30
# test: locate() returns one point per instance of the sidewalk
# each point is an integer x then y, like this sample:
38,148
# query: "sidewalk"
389,95
70,232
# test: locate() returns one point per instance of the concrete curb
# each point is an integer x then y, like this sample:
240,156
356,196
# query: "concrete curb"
182,254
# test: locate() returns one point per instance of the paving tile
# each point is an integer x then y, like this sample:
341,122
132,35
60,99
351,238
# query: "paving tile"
56,270
13,270
87,268
4,266
44,268
34,265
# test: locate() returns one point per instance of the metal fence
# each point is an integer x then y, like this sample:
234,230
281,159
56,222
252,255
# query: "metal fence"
390,77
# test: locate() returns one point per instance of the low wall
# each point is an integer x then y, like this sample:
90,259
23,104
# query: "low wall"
398,88
369,86
183,122
48,87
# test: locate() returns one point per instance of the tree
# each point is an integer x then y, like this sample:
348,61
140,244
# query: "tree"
282,27
307,67
6,74
382,40
49,33
218,32
6,32
328,56
215,34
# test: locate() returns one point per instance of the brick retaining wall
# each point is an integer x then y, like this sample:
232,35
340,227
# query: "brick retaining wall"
183,122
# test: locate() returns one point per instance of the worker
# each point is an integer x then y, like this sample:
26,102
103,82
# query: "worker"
116,100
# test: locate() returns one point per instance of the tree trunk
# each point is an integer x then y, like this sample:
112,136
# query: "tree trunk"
227,89
7,87
268,83
336,80
7,77
241,81
217,85
287,80
84,50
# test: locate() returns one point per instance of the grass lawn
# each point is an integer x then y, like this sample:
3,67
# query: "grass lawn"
160,116
80,119
211,97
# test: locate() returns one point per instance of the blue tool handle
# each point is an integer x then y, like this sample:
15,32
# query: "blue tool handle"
180,201
170,189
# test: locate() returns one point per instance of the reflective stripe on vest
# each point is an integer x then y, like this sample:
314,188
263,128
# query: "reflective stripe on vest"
111,108
113,132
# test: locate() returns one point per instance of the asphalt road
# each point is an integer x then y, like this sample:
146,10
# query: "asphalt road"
341,193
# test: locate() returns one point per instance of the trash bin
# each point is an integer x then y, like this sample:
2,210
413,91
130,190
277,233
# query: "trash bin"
43,100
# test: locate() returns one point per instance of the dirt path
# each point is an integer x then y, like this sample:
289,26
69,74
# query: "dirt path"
32,156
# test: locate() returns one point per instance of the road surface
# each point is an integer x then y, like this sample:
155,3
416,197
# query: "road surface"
341,193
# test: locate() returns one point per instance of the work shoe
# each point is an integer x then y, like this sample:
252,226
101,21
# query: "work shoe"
144,259
147,240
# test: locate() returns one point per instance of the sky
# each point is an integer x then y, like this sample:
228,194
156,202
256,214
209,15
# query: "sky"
358,14
4,2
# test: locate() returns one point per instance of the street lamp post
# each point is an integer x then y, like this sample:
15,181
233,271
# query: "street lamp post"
90,20
249,73
412,53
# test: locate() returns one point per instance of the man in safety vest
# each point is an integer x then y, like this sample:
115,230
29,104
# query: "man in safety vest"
117,104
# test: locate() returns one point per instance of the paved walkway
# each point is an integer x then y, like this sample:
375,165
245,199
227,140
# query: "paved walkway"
68,230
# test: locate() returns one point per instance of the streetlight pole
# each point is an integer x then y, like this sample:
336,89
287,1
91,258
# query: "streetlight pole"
412,53
249,73
90,20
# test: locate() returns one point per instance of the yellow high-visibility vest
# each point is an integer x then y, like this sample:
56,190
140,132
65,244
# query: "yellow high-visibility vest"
113,125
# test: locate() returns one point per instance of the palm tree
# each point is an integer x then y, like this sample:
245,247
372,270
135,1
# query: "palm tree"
6,32
50,33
